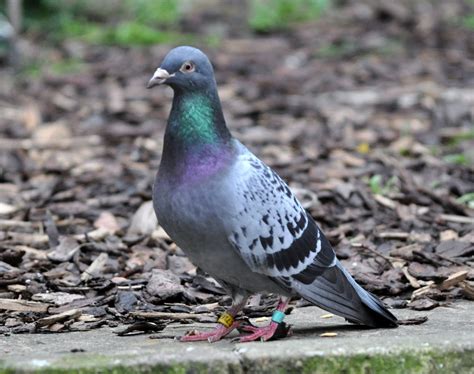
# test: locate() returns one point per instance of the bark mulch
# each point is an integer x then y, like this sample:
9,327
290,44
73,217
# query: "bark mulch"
368,114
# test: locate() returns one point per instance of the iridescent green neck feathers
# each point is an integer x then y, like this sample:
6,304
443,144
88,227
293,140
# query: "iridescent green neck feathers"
195,119
196,134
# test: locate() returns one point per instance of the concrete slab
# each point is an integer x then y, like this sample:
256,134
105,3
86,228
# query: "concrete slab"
444,344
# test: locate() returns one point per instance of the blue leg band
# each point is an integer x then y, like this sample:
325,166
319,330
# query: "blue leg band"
278,316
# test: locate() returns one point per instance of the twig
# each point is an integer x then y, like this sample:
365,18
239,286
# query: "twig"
457,219
167,315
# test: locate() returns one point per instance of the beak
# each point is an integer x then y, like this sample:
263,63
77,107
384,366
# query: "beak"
160,77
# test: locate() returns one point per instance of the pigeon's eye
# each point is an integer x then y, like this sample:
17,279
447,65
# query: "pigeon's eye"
187,67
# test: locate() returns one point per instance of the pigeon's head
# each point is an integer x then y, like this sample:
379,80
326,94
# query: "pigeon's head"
184,68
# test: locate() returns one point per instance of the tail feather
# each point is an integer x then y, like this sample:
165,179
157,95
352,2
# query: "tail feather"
337,292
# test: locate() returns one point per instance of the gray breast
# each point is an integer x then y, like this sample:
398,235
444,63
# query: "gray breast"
193,218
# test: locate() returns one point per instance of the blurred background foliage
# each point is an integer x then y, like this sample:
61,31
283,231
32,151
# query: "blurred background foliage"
132,23
146,22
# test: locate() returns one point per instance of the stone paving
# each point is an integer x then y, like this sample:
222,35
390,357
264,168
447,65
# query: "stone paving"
444,344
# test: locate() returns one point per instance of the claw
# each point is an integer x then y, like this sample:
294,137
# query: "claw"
212,336
271,332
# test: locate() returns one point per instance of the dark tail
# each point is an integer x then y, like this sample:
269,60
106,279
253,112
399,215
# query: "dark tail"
337,292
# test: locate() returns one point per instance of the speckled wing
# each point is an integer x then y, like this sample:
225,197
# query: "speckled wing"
271,230
275,236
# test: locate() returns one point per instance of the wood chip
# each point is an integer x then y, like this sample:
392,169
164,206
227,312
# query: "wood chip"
88,318
348,158
134,287
457,219
7,224
16,288
56,327
95,269
107,222
393,235
385,201
66,249
421,291
57,298
144,221
23,305
328,334
413,281
32,252
448,235
423,304
66,143
453,280
28,239
468,289
412,321
96,235
6,209
166,315
160,233
68,315
326,316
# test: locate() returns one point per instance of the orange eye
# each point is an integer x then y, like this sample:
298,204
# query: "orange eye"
187,67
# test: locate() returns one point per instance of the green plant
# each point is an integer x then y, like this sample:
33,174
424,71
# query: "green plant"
137,22
379,188
37,67
154,12
270,15
336,50
456,158
350,48
467,199
468,20
461,137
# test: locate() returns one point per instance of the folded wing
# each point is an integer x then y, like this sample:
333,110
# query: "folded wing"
275,236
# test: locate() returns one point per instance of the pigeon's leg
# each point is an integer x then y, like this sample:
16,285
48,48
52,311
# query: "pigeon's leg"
267,332
225,323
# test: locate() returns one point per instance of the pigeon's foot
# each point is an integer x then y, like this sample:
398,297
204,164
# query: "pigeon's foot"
275,330
211,336
225,324
271,332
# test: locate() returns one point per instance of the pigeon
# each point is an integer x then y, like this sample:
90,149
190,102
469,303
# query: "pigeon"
236,219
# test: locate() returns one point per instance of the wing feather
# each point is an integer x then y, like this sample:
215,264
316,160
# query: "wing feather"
275,236
272,231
